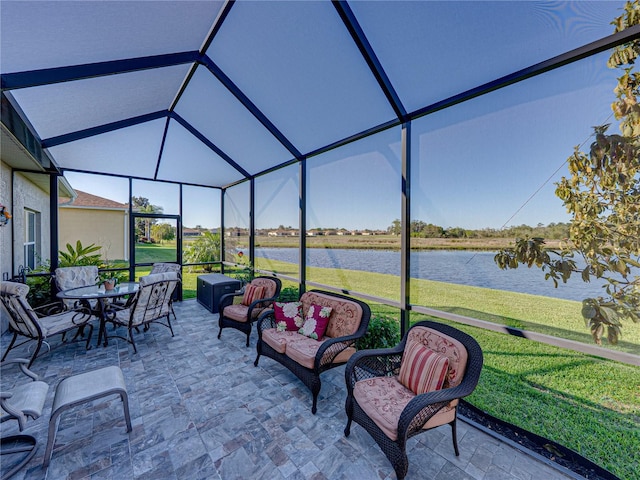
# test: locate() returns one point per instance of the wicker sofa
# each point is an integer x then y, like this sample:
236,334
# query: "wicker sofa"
308,358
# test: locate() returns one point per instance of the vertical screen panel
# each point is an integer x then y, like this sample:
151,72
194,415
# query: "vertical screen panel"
353,197
484,173
277,221
236,224
96,213
200,227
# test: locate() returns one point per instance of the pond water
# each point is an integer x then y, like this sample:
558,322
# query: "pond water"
454,266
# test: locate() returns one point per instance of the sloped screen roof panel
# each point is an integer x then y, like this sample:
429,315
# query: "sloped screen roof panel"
47,34
131,151
205,167
433,50
210,108
298,64
62,108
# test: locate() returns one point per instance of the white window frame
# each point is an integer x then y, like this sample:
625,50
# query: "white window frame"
31,239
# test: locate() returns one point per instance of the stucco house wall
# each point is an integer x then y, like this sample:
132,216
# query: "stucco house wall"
105,228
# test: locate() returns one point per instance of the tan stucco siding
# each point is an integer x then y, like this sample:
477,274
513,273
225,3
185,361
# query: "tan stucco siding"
106,228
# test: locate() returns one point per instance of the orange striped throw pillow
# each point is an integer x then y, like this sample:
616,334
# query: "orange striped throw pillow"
251,294
422,370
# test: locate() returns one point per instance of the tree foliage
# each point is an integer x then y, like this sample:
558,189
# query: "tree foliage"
205,248
602,195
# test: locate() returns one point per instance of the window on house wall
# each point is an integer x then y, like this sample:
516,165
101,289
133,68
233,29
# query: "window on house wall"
32,236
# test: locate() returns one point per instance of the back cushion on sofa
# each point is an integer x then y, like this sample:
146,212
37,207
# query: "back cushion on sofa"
345,315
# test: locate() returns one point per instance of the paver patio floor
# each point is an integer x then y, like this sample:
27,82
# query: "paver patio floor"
201,410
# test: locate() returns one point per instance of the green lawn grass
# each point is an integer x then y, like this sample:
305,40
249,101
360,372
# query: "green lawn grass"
585,403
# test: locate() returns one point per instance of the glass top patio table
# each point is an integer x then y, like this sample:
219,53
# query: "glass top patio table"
98,291
100,294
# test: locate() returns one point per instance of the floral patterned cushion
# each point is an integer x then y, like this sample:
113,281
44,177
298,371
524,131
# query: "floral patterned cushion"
315,322
279,340
445,345
422,370
268,284
346,315
288,315
384,398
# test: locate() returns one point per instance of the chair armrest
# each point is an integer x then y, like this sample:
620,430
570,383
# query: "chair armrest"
265,321
22,362
422,407
226,300
49,309
266,301
331,347
365,364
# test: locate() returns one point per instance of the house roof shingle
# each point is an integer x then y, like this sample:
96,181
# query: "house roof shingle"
88,200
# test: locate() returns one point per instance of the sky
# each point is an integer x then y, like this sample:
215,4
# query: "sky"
486,163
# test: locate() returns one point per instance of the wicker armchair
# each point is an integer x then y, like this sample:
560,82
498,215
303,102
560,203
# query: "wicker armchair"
243,316
308,358
24,322
392,413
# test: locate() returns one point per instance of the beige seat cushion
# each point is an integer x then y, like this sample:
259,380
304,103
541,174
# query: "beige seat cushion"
384,398
299,348
238,312
303,351
278,340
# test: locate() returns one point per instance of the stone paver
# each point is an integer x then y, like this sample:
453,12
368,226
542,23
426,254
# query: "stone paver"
201,410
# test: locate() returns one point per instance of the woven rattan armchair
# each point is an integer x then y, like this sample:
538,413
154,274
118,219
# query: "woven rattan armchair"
308,358
242,316
392,413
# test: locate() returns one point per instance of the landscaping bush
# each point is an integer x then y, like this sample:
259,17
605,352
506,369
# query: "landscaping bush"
383,332
289,294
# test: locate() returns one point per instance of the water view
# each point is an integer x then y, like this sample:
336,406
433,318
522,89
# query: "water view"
454,266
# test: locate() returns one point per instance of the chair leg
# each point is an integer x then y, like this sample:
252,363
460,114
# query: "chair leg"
248,334
35,354
169,323
13,340
454,435
315,390
133,342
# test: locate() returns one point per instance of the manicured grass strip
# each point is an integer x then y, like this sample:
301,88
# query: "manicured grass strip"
587,404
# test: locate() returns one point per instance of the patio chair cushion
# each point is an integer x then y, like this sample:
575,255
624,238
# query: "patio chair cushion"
345,317
384,398
288,315
303,351
445,345
252,293
316,321
19,303
278,340
269,284
238,312
422,370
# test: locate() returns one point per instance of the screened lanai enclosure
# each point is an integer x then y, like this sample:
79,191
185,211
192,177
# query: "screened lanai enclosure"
302,119
380,149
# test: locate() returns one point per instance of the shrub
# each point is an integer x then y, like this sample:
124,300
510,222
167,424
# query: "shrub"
383,332
289,294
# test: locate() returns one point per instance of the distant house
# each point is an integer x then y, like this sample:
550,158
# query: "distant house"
191,232
93,219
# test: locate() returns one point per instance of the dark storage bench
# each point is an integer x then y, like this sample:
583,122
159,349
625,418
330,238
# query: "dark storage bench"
212,287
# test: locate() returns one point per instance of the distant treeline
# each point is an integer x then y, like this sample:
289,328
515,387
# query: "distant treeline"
553,231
